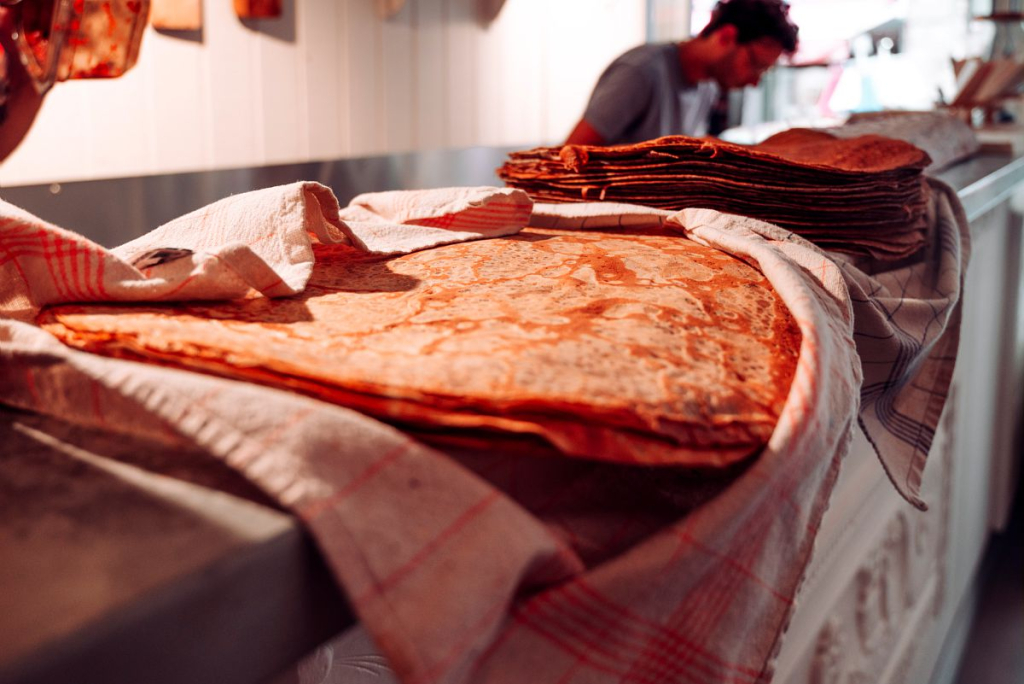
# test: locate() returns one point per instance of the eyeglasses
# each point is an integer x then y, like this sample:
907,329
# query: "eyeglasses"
69,39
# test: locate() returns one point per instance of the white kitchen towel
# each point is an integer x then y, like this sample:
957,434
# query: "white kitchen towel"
400,221
596,215
245,245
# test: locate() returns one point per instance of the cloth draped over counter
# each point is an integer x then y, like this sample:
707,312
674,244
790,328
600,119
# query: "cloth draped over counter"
254,243
458,573
907,324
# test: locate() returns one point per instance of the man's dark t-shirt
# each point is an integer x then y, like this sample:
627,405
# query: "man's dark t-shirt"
642,95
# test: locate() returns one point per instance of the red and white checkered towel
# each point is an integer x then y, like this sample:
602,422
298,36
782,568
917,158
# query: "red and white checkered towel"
254,243
493,567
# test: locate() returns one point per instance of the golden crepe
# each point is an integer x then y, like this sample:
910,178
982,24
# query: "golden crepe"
626,347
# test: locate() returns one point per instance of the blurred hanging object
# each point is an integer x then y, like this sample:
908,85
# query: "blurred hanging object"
389,8
58,40
989,91
488,10
1008,41
5,85
176,15
258,9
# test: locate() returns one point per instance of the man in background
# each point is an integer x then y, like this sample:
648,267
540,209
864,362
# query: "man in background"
672,88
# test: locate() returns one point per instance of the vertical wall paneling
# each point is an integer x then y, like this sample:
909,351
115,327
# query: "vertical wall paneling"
60,144
460,82
283,96
319,35
400,70
431,61
331,78
492,95
518,60
342,81
121,142
365,88
178,96
234,116
574,63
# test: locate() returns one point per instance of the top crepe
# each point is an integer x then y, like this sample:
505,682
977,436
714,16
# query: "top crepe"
622,347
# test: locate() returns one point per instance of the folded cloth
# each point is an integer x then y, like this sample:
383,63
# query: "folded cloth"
400,221
464,578
907,325
258,242
400,525
592,215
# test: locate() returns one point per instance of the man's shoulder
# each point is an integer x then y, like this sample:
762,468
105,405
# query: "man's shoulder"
647,54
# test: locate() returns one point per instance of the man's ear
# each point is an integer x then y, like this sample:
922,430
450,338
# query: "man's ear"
727,35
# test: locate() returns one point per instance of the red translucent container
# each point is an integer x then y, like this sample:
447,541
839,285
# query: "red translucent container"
258,9
68,39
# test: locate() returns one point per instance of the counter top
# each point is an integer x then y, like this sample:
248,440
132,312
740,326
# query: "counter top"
115,572
984,181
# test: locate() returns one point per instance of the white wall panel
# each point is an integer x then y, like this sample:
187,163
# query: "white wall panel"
60,144
234,118
461,83
343,80
400,68
283,93
331,78
117,106
365,78
574,63
519,53
319,27
431,60
175,85
490,105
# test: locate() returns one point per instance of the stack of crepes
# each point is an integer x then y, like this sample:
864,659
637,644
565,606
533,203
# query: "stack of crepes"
945,138
865,196
619,347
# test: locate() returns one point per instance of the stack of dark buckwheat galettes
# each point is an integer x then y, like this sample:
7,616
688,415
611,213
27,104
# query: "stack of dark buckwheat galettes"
865,196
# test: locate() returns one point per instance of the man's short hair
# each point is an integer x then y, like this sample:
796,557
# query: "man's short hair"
755,19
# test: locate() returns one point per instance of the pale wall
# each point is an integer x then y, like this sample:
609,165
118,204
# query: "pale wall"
331,79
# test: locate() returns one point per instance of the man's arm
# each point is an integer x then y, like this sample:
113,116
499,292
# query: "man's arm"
584,134
622,95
